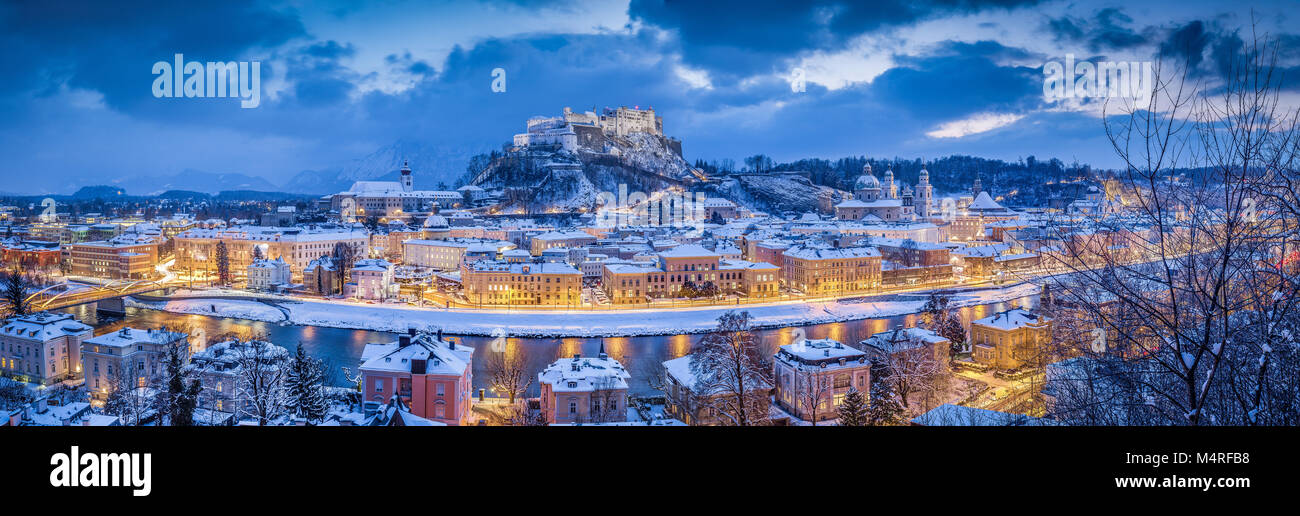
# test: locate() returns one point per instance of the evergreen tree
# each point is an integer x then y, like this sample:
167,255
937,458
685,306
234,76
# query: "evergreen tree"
305,388
180,399
223,264
14,287
257,253
884,409
853,410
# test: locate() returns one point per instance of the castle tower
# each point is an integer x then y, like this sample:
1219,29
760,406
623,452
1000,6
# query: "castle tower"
407,185
891,189
924,194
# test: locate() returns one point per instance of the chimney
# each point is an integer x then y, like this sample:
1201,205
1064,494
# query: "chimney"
403,341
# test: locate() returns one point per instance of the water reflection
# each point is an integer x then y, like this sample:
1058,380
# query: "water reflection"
640,355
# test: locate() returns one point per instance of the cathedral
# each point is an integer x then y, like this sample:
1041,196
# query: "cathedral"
873,199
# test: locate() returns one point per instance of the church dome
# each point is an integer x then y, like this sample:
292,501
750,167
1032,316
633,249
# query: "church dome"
435,222
866,182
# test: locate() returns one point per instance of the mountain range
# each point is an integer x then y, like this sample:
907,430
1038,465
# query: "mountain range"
431,164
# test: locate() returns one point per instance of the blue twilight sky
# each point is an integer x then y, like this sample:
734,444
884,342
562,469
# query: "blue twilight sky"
910,78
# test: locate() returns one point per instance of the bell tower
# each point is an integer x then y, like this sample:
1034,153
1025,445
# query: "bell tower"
407,185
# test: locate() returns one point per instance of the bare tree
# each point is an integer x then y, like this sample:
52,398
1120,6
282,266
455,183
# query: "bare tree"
259,381
1192,292
911,368
731,367
508,371
812,388
608,402
524,413
127,398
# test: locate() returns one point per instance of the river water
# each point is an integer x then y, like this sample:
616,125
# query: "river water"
640,355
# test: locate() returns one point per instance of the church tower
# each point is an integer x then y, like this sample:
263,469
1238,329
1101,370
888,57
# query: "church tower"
407,185
924,194
891,189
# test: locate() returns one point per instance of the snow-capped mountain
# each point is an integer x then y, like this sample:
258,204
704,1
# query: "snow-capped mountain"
190,179
431,165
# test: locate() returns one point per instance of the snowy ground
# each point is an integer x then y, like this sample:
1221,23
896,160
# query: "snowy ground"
556,323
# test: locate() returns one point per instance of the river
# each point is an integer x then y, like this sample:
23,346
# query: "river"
640,355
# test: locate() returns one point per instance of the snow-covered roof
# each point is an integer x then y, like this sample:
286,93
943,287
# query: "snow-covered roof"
984,201
901,339
825,353
127,337
827,253
439,356
1011,319
263,263
687,251
523,268
43,326
564,235
584,374
372,264
396,413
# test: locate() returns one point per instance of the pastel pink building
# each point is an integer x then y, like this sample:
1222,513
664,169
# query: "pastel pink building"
431,374
584,390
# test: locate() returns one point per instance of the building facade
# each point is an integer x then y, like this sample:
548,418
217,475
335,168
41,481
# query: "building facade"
429,372
42,348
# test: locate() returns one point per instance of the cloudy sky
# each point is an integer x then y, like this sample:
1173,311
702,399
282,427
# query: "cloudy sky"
910,78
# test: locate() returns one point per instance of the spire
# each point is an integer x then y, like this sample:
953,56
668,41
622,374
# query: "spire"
602,350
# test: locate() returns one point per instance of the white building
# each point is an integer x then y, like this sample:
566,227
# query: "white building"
266,274
129,356
814,375
42,348
391,199
448,254
373,279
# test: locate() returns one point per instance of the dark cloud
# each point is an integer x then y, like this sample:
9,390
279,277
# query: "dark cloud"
110,47
1108,29
737,38
1188,44
959,80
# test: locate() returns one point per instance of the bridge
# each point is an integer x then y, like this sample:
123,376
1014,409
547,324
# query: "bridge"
108,296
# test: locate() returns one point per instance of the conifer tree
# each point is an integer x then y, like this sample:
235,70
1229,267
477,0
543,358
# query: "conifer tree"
853,410
223,264
305,388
